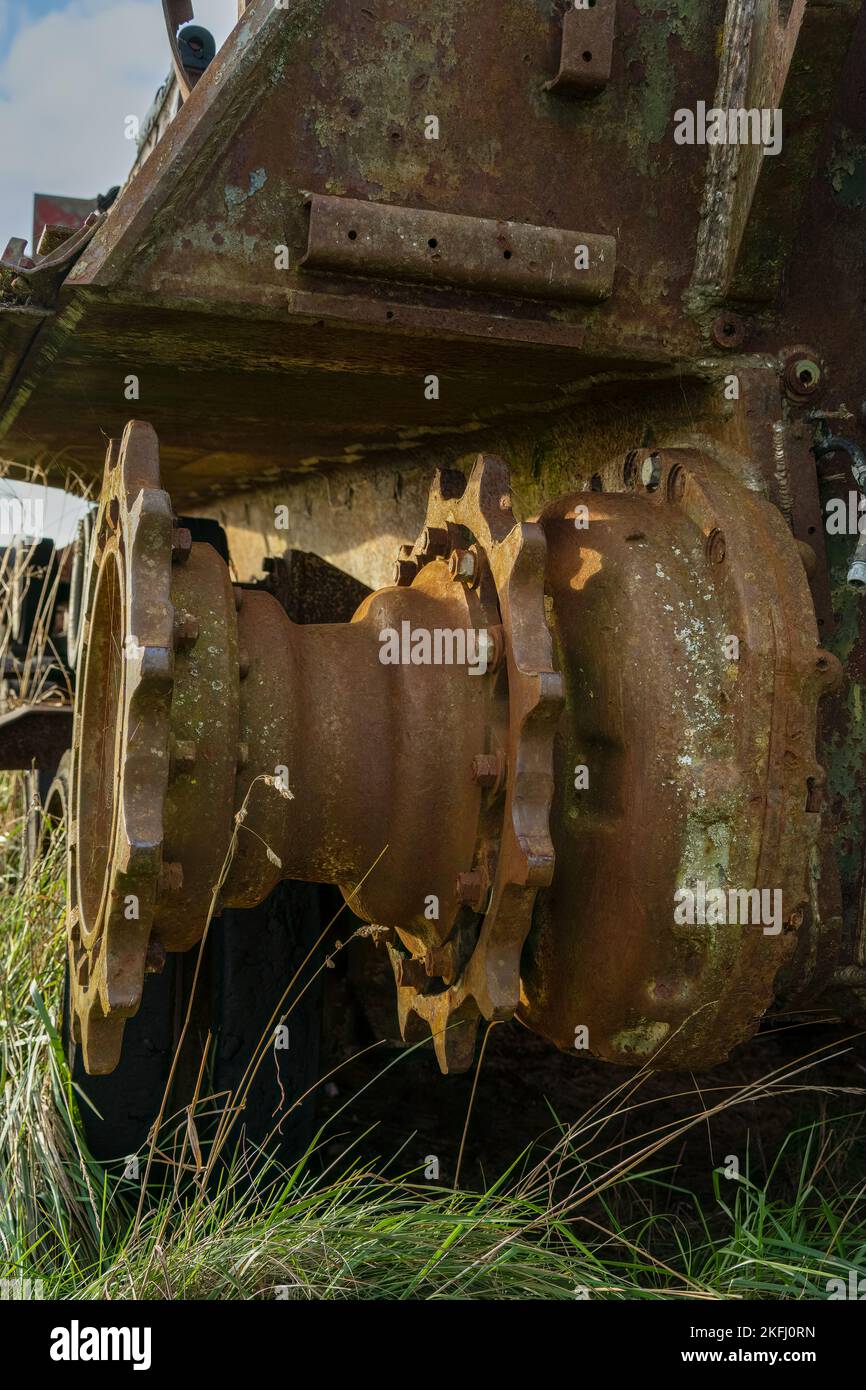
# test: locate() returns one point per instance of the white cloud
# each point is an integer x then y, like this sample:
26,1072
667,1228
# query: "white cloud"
67,82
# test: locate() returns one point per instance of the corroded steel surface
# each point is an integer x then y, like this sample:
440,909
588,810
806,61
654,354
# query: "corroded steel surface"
226,276
514,856
352,237
701,761
219,747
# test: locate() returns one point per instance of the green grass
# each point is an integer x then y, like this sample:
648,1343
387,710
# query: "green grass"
584,1212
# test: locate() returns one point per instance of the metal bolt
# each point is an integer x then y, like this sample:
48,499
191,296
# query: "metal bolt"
181,545
463,566
802,374
439,961
470,889
487,769
409,972
729,331
404,572
433,541
186,630
491,647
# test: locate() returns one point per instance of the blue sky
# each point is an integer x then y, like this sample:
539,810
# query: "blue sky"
71,71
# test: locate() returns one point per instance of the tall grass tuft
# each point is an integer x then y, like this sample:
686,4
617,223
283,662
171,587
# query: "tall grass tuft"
583,1213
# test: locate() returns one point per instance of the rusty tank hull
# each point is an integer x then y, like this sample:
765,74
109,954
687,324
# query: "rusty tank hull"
554,355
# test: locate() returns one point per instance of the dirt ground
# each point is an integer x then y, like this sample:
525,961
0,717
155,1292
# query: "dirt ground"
399,1102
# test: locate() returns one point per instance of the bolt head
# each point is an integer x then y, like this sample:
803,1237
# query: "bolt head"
409,972
433,541
181,544
186,630
470,889
802,374
463,566
439,961
729,331
486,769
404,572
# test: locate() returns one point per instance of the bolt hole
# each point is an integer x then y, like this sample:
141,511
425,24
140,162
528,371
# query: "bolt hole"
811,530
587,57
389,314
353,235
432,243
507,255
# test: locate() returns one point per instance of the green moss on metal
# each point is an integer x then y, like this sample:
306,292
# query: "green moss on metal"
649,45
